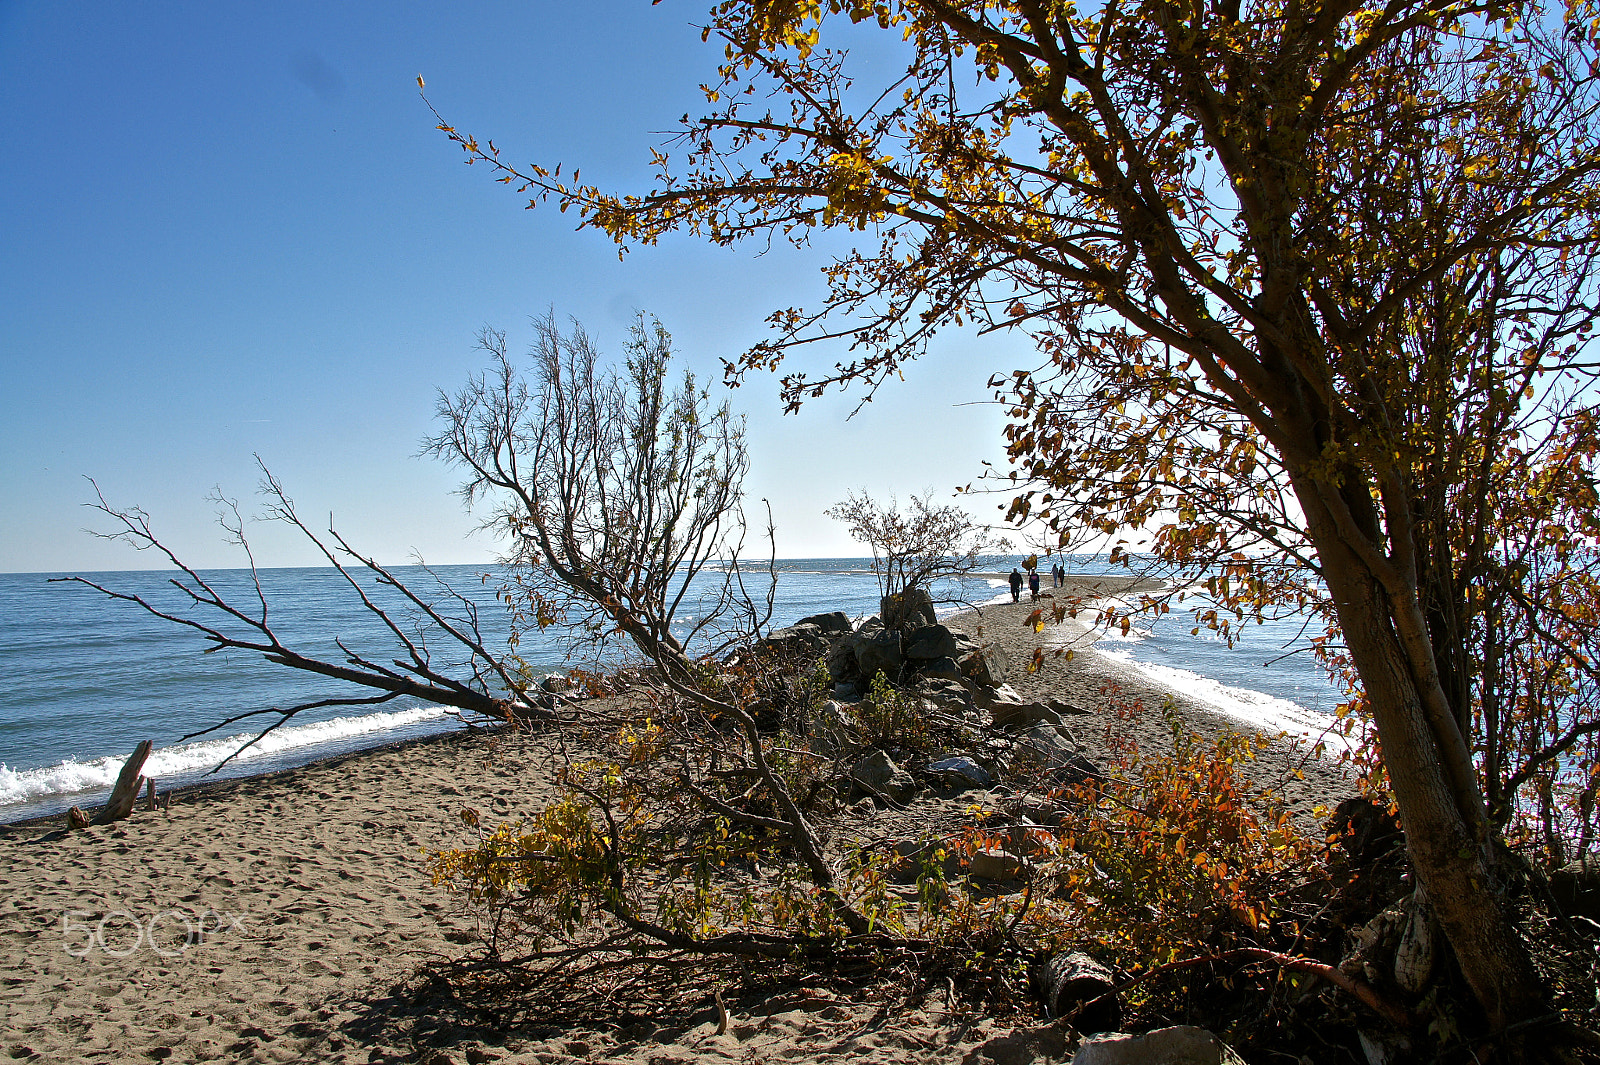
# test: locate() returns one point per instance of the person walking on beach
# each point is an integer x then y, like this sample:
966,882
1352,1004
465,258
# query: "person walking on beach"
1016,585
1059,573
1033,584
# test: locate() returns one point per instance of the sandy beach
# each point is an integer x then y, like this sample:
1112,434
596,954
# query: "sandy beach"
281,918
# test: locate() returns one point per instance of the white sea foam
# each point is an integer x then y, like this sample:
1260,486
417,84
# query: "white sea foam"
1256,709
71,776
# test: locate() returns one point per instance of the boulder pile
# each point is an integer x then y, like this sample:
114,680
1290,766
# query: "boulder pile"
949,675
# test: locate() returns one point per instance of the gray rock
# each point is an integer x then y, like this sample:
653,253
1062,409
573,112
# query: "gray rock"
961,769
941,668
1179,1045
992,863
798,640
834,623
1023,715
876,774
841,660
1017,716
995,695
555,683
975,667
877,652
930,642
988,664
829,726
945,693
1057,753
908,609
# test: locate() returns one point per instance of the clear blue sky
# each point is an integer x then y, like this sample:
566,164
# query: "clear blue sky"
230,229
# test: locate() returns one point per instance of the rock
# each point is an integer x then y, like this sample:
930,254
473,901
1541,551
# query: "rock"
975,666
947,695
555,683
801,640
994,694
999,661
1081,990
992,863
961,770
945,692
1179,1045
1016,714
829,726
1022,715
942,669
834,623
877,652
930,642
1057,753
1576,888
876,774
908,609
841,661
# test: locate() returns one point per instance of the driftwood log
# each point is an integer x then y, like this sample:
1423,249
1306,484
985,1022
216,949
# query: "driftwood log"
126,791
1081,990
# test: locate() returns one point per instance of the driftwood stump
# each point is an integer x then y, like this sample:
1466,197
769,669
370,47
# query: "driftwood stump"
126,791
1083,991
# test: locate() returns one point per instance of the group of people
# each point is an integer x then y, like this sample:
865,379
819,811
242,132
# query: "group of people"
1058,577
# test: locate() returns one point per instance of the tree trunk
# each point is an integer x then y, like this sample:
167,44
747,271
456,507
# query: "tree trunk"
1454,865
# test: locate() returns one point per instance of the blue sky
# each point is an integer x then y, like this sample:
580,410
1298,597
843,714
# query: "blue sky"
232,229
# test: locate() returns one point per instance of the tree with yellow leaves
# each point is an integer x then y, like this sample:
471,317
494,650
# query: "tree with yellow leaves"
1313,278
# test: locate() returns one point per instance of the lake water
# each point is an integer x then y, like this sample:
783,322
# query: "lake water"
88,678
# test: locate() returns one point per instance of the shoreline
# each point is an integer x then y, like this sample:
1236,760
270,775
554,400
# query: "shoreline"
283,916
1081,680
224,787
1072,670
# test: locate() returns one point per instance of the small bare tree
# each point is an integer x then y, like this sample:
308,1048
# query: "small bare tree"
619,494
619,499
914,548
